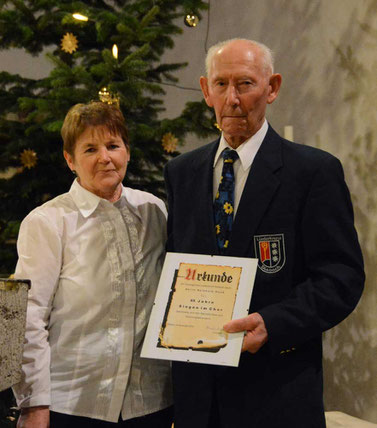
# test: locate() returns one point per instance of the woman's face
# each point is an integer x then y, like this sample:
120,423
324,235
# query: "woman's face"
100,161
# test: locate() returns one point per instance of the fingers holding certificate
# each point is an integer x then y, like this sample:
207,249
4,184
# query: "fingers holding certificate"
197,295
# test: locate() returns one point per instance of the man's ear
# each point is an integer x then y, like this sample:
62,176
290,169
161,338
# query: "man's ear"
69,159
204,85
275,83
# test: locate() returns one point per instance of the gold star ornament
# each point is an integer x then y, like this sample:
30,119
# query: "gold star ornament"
28,158
169,142
69,43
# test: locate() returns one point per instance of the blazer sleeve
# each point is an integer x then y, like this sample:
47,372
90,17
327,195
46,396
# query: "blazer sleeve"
334,274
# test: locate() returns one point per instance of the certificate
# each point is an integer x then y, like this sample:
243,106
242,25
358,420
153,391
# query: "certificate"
196,296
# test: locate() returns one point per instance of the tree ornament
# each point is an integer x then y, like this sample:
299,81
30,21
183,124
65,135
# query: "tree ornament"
69,43
28,158
169,142
107,97
191,20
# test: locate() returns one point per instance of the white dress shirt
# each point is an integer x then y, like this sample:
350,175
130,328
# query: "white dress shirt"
94,268
246,153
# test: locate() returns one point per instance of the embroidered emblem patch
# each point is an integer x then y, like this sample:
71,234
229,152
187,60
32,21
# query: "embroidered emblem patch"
270,251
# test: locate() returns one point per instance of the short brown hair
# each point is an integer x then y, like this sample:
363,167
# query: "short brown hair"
94,113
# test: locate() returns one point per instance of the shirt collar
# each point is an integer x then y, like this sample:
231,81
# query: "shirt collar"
127,198
247,150
87,202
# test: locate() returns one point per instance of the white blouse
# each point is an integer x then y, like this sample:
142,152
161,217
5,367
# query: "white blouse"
94,268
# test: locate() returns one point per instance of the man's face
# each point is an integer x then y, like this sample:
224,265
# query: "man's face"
239,87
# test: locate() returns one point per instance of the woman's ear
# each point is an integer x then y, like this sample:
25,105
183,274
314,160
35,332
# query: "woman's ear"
69,159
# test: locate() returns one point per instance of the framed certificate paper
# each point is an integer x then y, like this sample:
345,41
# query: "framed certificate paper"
196,296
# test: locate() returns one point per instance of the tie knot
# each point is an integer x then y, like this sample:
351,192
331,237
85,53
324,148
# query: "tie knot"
229,155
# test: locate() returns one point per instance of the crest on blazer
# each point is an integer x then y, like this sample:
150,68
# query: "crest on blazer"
270,251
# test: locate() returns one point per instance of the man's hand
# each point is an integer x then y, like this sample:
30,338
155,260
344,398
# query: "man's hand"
255,331
34,417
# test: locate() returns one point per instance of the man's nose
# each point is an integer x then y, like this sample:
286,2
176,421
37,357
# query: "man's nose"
232,97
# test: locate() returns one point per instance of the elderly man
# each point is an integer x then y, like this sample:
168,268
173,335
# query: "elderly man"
253,194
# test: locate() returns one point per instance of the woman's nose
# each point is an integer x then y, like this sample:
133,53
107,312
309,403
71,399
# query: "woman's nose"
103,155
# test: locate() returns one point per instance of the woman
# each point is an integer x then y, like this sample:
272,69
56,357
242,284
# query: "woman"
94,256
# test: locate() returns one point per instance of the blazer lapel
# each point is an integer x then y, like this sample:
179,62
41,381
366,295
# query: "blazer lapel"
260,187
202,185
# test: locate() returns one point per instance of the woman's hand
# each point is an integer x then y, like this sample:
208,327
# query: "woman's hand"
34,417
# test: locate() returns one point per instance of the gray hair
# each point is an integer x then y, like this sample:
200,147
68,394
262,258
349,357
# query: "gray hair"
268,57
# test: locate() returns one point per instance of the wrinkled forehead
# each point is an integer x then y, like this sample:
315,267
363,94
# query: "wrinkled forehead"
237,58
241,63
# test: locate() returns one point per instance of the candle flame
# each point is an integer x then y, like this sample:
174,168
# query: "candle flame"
115,51
80,17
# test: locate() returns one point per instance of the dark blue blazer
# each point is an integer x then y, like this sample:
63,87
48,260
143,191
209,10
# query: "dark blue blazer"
295,200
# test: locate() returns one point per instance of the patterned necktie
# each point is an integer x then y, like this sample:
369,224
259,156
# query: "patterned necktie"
224,201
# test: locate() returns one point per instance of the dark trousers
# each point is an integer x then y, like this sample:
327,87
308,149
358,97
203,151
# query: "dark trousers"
214,417
161,419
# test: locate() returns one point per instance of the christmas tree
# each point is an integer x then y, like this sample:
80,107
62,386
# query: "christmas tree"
86,66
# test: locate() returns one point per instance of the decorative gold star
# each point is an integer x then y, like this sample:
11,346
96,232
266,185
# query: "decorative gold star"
69,43
169,142
28,158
